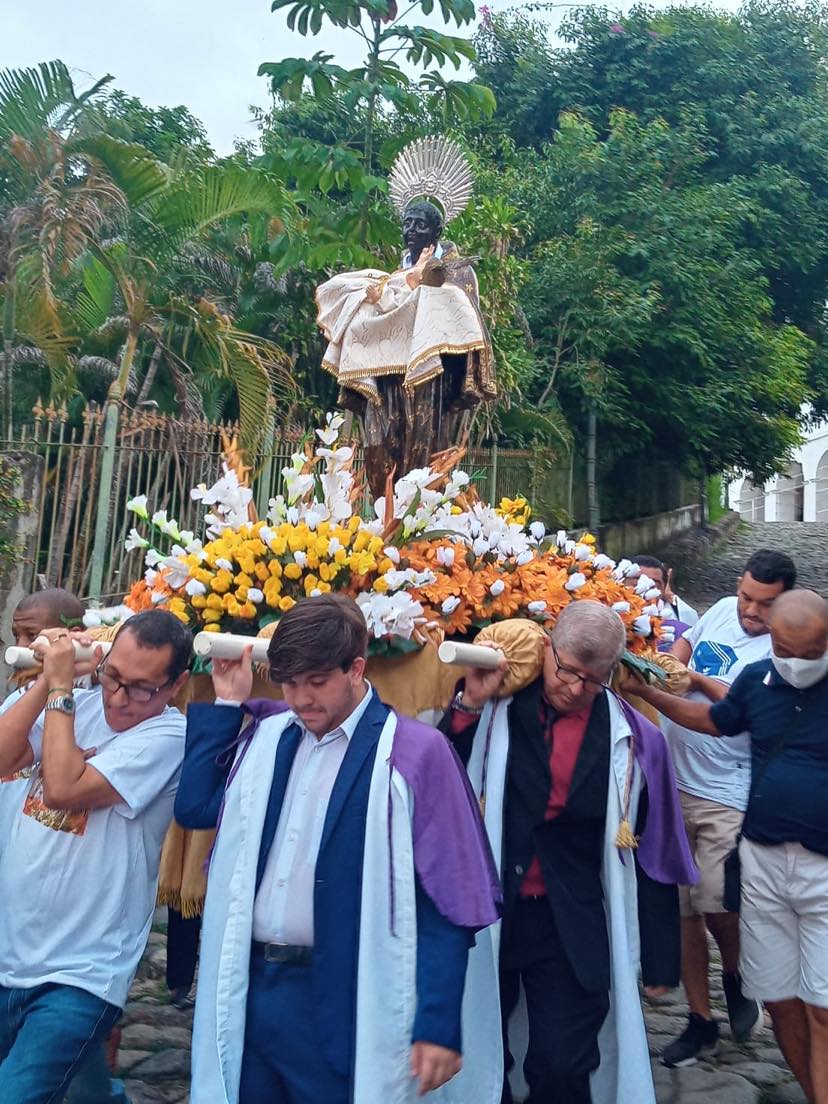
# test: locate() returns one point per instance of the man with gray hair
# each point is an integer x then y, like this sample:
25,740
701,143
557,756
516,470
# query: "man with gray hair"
582,812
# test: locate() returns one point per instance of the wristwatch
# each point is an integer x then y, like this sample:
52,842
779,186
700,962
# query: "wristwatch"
63,704
461,707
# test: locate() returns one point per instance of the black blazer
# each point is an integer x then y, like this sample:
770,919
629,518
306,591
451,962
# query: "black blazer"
570,847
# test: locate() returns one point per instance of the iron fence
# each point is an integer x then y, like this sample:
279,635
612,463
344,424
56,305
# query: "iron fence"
163,458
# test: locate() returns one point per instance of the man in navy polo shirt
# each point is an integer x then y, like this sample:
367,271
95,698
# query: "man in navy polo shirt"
783,703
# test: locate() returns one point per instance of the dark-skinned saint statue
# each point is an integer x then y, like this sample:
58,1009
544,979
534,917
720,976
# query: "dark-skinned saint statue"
410,349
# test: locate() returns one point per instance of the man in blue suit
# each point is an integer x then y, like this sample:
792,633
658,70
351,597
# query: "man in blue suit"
349,876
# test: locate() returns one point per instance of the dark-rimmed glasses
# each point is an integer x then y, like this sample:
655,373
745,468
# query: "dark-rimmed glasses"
138,695
570,676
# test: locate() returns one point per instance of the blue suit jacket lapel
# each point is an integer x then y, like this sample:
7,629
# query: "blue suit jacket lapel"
362,743
285,754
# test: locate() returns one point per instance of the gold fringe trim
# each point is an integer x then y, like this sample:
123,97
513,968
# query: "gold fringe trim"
189,907
625,838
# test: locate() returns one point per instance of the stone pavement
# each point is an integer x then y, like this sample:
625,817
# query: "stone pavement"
713,577
155,1050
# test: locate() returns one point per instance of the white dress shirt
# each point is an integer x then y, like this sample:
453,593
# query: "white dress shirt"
283,910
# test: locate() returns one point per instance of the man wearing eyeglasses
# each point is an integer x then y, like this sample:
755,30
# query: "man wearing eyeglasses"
78,874
559,768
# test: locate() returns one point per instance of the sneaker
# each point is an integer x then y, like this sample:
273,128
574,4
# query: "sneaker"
700,1037
742,1012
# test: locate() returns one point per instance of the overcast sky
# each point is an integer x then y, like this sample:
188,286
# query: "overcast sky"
200,53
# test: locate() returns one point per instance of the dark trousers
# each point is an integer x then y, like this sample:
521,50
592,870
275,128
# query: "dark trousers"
564,1019
182,949
282,1062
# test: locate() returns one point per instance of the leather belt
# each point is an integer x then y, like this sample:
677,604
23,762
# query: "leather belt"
283,953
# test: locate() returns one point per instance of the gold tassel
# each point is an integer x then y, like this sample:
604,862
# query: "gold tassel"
625,837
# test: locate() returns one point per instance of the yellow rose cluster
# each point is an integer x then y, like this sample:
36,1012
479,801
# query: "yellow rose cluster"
258,569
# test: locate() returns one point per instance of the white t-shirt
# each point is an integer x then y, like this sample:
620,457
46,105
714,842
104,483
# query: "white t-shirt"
78,889
716,767
14,787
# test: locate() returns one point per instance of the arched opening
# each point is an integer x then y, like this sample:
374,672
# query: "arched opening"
751,503
822,489
790,494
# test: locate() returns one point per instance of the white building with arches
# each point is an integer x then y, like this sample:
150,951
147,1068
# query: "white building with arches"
800,494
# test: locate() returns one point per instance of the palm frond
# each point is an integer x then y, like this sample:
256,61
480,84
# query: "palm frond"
131,167
200,199
33,101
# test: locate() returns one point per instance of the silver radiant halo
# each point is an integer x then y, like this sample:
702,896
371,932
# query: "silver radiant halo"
432,169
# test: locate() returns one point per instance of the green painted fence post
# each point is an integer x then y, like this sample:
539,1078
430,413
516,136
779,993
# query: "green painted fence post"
493,477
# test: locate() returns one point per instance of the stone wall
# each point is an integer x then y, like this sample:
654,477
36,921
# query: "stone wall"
647,534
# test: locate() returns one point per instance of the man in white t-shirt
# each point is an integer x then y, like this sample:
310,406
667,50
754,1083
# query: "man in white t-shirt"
53,608
79,870
713,778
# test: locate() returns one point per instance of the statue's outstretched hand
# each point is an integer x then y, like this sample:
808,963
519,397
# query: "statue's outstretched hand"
414,277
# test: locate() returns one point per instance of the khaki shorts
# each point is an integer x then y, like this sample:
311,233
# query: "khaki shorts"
712,830
784,923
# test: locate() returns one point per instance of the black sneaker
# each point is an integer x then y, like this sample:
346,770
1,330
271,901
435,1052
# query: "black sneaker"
700,1037
742,1012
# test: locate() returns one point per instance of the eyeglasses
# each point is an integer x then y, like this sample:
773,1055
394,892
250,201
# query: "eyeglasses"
570,676
138,695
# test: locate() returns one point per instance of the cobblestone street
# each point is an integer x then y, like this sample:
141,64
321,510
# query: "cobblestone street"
155,1050
715,576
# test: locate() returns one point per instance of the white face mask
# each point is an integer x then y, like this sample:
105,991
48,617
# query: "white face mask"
801,673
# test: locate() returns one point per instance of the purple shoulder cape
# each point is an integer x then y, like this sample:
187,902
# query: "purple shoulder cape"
452,855
663,850
451,849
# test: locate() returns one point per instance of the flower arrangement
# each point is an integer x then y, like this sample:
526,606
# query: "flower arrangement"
432,560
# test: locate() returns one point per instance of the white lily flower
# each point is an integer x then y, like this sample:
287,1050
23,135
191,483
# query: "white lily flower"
643,585
177,572
569,547
536,607
642,625
560,538
538,530
149,577
497,588
601,561
135,540
255,595
445,557
621,607
186,537
194,588
138,505
449,605
159,518
301,558
651,610
621,569
583,552
315,593
575,581
225,565
157,597
153,558
334,545
524,558
392,553
652,594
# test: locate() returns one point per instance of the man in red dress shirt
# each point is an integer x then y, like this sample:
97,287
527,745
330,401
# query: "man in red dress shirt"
554,939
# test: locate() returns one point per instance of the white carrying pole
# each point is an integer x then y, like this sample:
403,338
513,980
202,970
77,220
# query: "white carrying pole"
470,655
24,658
229,646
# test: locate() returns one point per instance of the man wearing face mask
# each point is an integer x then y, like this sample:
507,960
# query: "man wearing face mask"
783,702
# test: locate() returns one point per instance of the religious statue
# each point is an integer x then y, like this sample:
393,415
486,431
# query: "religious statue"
410,349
